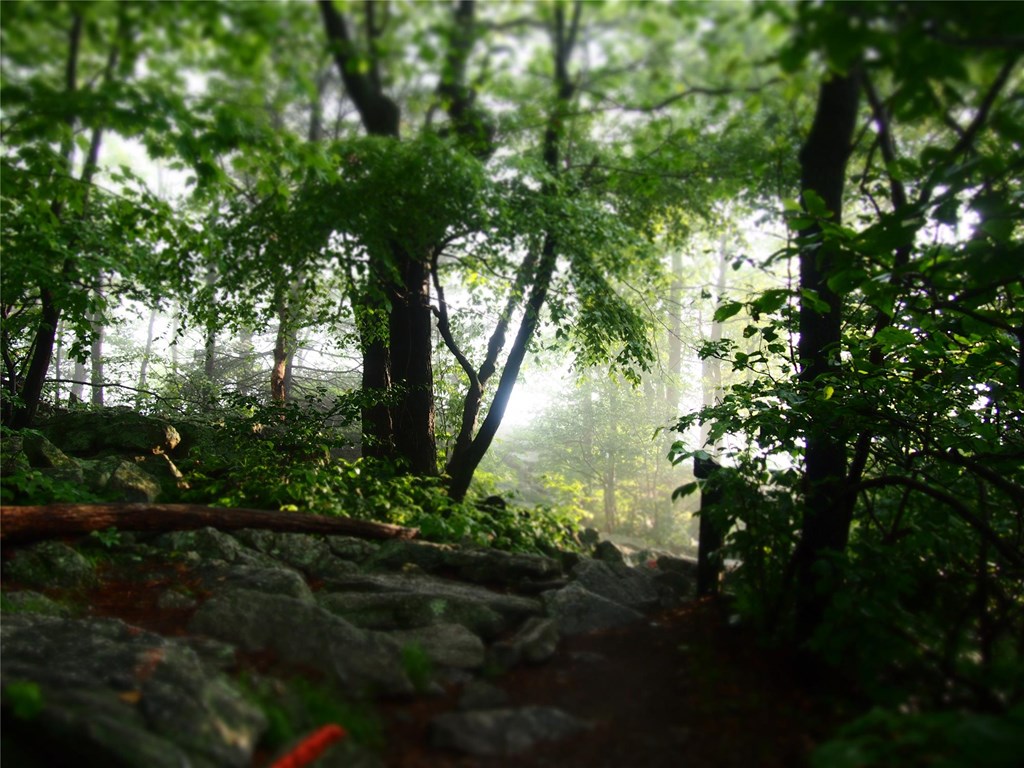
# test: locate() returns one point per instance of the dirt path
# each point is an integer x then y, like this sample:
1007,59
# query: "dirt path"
682,689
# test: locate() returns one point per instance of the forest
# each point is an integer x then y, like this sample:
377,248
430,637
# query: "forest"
504,271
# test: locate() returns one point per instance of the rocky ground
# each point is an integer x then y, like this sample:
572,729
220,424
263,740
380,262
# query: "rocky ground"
205,648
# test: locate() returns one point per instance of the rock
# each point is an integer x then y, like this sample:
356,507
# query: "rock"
492,566
352,548
448,645
305,634
306,552
607,552
512,608
112,430
115,695
275,580
479,694
122,479
42,453
27,601
534,642
211,544
175,600
621,584
410,610
687,566
675,586
502,731
50,564
577,610
481,566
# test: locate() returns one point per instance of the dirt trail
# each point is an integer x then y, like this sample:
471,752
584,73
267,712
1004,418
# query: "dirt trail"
681,689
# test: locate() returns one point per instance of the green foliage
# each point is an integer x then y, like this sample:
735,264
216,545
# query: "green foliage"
418,666
291,457
297,706
887,739
24,697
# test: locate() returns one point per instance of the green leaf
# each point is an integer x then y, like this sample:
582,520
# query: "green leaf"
726,311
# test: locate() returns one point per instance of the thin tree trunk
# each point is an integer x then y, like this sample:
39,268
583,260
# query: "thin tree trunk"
96,361
144,366
465,459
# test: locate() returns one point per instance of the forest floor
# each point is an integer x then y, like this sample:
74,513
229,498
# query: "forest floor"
683,688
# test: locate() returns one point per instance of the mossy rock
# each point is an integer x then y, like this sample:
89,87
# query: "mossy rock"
111,430
50,564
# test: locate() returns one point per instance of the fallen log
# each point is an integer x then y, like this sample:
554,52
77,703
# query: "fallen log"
25,524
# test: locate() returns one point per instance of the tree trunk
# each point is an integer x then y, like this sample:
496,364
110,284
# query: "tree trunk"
410,325
827,511
23,524
96,360
466,459
144,366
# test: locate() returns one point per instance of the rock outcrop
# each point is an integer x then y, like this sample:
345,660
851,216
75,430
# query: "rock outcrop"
370,618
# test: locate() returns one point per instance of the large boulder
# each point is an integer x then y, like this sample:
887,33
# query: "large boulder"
412,610
446,645
117,430
50,564
111,694
577,610
513,609
480,566
121,479
307,635
617,582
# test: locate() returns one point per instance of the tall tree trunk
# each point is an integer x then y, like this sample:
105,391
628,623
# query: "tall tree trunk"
827,513
50,312
410,325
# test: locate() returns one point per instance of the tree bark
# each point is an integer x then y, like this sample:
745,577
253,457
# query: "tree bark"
25,524
827,512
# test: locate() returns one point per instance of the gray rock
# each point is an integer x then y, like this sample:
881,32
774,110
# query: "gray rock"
607,552
447,645
175,600
352,548
481,566
534,642
302,633
512,608
211,544
42,453
409,610
123,696
27,601
117,430
303,551
269,580
50,564
502,731
493,566
675,586
479,694
576,610
125,480
619,583
687,566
